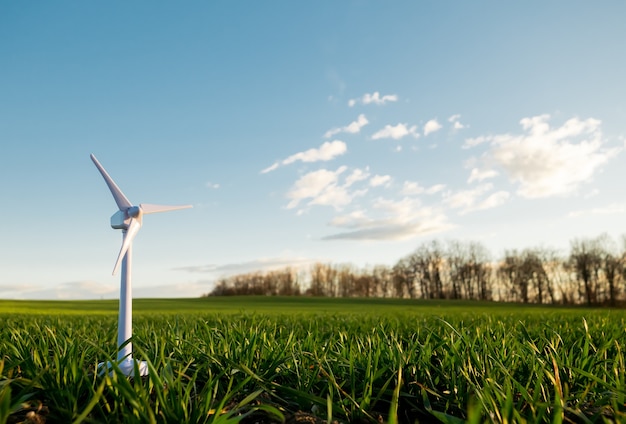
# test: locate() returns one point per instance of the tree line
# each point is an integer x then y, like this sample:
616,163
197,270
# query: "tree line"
593,272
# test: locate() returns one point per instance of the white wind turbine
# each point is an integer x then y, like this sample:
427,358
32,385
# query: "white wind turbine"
128,219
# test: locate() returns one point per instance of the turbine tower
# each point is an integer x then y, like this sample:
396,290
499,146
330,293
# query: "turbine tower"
128,219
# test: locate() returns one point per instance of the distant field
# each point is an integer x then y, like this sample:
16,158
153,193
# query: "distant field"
264,359
271,305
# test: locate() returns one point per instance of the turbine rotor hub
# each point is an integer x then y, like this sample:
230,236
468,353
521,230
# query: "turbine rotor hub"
133,211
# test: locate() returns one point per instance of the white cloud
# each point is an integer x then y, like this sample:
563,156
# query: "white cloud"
400,220
271,168
481,174
350,220
312,185
327,151
435,188
209,184
431,127
547,161
323,188
336,196
467,200
412,188
357,175
472,142
353,127
377,99
496,199
456,124
395,132
374,98
380,180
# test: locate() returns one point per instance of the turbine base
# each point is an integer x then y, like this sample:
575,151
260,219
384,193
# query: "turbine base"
126,366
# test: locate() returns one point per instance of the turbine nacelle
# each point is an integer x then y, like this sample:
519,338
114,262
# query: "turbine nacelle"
121,219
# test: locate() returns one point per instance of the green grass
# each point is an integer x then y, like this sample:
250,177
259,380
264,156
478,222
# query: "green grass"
352,360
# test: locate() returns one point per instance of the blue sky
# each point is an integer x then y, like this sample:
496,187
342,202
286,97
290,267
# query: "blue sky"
343,132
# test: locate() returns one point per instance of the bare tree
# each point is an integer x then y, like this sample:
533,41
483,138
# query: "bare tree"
511,273
481,270
457,261
323,280
382,279
585,261
535,273
552,265
318,280
346,281
612,267
470,271
403,278
426,265
286,281
526,274
614,274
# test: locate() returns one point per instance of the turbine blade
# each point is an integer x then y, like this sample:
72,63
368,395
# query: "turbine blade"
131,232
147,208
120,199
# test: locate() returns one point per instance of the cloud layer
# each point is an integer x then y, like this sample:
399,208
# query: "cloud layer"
545,161
398,220
540,161
263,264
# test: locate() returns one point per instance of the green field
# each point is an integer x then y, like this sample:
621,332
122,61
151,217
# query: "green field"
264,359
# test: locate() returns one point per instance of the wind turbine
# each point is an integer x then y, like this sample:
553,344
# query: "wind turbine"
128,219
